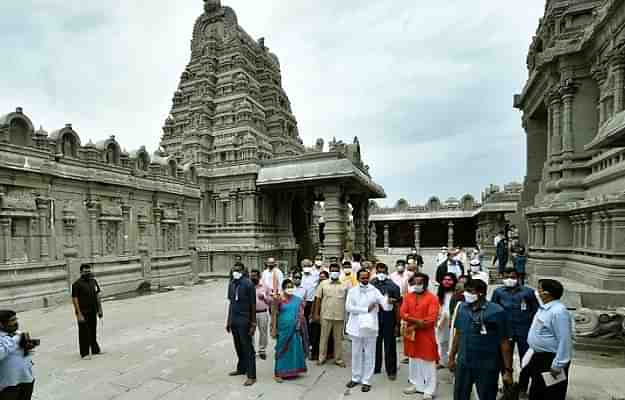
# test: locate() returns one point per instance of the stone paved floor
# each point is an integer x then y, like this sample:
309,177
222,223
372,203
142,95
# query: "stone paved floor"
174,346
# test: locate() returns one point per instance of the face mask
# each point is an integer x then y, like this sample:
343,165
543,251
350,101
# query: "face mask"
319,263
381,276
290,291
418,289
334,275
236,275
410,274
255,280
86,275
540,301
307,270
401,268
364,285
348,271
510,282
475,268
470,298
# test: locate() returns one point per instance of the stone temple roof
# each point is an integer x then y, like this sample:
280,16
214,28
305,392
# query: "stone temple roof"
317,168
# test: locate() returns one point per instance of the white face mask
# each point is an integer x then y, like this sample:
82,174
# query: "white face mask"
381,276
401,268
540,301
319,263
470,298
409,274
290,291
510,283
307,270
236,275
334,275
363,286
475,268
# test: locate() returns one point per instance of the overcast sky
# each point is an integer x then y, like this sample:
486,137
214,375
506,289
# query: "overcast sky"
426,86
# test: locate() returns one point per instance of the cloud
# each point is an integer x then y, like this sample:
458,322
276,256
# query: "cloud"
426,86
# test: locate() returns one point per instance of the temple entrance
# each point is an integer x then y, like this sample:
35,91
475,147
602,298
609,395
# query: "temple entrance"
434,233
301,226
464,233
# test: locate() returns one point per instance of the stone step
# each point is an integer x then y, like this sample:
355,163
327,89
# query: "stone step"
578,295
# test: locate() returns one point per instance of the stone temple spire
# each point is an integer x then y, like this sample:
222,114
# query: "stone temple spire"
212,5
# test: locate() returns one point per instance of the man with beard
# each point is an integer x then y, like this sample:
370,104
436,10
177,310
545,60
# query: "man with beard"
450,265
16,366
241,322
87,307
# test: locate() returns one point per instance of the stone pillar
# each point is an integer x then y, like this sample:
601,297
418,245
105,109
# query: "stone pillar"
450,234
43,208
387,243
373,240
93,227
142,223
334,221
5,225
180,234
550,231
417,236
360,226
589,221
619,85
125,228
157,229
607,231
103,237
568,93
575,233
540,237
617,227
556,137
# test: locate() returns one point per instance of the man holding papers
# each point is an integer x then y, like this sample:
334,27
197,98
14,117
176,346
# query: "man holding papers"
550,340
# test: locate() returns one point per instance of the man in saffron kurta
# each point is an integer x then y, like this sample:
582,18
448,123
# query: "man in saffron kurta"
420,310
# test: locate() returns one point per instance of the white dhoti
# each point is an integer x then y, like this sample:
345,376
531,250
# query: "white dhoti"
363,359
442,338
422,374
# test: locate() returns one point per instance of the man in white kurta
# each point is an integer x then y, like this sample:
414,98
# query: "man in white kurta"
362,305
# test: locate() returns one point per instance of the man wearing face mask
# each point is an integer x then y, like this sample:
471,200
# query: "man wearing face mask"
550,338
88,308
272,277
398,277
520,304
16,366
450,265
348,278
420,310
386,343
330,309
414,254
241,322
476,271
481,345
263,301
363,302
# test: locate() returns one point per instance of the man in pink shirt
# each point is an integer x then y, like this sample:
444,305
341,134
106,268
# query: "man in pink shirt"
398,277
263,300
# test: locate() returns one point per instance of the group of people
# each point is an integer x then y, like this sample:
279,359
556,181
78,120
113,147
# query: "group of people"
447,323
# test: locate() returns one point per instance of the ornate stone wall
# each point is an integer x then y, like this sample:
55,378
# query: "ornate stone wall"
133,216
573,114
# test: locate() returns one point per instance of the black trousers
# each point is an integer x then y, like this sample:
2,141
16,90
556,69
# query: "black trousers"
87,334
244,346
386,344
23,391
307,312
315,338
541,362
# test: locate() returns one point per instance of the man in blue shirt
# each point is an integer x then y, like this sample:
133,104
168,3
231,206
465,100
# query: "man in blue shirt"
482,344
551,340
241,322
16,366
521,305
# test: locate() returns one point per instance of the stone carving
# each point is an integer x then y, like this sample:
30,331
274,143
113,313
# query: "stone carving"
604,325
19,200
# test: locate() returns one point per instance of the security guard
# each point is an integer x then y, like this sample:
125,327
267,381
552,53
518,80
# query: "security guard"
481,342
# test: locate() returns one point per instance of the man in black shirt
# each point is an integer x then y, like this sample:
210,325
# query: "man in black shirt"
241,322
387,323
87,306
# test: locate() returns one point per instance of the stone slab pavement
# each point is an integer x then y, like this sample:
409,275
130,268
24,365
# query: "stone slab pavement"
174,346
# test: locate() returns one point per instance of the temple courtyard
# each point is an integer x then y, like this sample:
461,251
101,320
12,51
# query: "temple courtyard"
174,346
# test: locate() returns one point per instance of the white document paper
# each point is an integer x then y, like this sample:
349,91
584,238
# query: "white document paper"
527,358
550,380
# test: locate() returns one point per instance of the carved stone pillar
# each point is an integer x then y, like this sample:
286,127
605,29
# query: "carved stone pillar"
417,236
387,242
360,226
42,208
103,224
450,234
69,227
619,86
556,136
568,94
180,234
607,231
157,229
618,228
588,231
92,210
334,221
550,231
142,223
5,225
540,236
125,228
373,239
